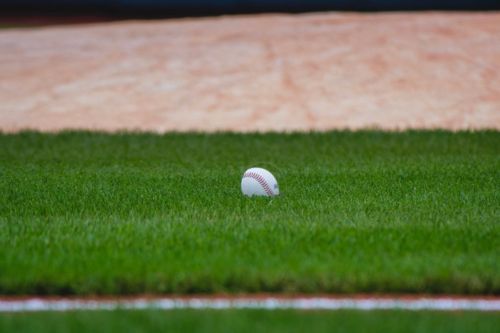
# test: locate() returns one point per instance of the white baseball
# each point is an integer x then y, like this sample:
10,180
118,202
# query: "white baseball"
260,182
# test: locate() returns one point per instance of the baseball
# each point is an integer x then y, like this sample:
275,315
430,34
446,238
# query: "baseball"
260,182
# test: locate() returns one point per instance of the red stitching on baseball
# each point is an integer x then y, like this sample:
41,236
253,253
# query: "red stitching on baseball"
261,181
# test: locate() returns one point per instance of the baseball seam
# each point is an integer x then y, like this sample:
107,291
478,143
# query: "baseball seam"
261,181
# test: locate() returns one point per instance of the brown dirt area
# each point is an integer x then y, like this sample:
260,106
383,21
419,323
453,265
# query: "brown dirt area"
255,73
258,296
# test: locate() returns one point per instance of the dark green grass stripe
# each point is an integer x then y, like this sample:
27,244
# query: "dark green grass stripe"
251,321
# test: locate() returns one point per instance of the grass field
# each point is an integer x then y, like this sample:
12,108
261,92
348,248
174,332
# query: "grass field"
250,321
91,213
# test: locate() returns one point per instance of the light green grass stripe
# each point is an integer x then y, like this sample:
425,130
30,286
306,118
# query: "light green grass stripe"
94,213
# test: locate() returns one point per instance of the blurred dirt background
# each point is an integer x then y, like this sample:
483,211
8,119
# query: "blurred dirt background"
255,73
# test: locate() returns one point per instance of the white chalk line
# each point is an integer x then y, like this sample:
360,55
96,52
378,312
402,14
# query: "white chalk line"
270,303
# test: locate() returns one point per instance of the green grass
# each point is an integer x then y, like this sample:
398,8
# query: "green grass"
250,321
93,213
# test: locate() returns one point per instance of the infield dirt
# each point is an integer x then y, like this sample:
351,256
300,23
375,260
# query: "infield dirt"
255,73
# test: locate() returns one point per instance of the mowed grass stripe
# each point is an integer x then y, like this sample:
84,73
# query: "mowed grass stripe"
369,211
250,321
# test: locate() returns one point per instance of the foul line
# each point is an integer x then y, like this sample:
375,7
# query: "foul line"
265,303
